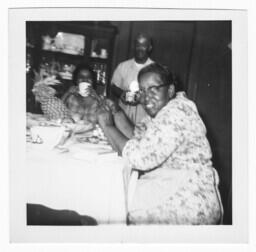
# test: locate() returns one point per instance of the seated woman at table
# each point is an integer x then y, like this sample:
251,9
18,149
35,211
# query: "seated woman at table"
177,183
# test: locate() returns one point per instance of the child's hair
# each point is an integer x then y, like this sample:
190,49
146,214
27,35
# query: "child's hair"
87,67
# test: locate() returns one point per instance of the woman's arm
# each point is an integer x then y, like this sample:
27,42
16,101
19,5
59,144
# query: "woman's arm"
124,124
114,136
160,140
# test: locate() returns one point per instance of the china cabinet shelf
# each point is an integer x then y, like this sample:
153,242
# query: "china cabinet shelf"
99,38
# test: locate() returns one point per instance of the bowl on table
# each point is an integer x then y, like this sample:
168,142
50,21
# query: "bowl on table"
49,136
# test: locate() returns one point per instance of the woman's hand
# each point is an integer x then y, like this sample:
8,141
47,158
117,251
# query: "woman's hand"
105,118
112,106
140,129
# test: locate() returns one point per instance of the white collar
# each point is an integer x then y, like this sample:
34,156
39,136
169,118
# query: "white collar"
148,61
181,94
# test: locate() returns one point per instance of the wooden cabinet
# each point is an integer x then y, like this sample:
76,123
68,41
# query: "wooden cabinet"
59,47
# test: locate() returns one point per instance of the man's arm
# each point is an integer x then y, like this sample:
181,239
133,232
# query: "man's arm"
115,92
116,89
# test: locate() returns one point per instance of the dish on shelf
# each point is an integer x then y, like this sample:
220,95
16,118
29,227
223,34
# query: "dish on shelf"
68,43
71,51
66,75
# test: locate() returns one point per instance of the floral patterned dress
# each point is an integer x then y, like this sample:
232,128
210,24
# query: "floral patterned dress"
178,184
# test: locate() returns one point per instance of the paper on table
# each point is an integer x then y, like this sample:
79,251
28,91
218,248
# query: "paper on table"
91,156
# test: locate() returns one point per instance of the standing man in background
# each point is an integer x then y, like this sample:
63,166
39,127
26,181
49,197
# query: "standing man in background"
125,77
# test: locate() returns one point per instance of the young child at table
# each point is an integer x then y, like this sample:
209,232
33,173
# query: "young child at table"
82,109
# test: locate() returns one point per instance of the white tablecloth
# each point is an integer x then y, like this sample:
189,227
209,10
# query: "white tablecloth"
81,180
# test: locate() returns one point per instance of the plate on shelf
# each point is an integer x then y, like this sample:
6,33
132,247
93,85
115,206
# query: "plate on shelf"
65,75
70,51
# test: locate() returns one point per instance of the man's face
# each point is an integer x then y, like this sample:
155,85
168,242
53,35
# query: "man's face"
142,49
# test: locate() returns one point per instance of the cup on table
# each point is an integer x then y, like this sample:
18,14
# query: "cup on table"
48,137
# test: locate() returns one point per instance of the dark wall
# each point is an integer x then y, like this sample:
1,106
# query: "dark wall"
172,43
210,86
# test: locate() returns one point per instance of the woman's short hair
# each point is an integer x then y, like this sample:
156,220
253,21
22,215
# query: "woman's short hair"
87,67
163,72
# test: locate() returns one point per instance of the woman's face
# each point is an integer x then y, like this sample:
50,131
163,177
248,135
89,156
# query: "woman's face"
154,95
84,75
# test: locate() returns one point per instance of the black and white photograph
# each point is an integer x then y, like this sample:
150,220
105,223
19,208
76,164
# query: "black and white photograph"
128,121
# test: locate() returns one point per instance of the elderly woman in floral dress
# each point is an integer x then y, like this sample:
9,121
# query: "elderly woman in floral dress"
169,148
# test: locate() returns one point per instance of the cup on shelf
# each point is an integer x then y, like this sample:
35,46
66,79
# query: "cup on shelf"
94,54
103,53
47,42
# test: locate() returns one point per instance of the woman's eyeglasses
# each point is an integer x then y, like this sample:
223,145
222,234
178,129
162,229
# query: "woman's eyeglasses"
152,89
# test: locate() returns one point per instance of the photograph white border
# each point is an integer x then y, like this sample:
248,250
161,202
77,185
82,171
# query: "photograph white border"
236,233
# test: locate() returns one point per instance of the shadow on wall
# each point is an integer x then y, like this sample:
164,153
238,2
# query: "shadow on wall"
210,86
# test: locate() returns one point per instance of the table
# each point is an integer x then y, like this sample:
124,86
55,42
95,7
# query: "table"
84,180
